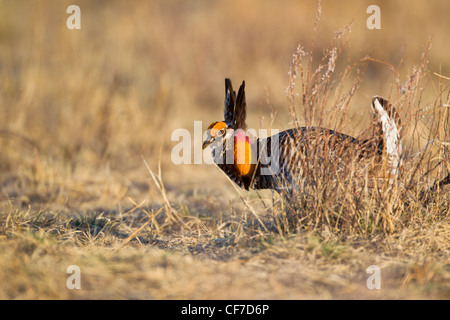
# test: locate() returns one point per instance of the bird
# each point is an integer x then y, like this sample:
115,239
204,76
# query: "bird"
284,160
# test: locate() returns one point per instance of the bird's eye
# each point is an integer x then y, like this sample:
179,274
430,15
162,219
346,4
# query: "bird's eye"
220,132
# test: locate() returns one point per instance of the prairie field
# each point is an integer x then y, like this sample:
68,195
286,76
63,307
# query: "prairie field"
87,176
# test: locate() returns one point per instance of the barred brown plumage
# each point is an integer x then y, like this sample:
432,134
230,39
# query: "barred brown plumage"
282,161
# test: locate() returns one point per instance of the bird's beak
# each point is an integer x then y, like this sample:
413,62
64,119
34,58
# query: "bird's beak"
207,142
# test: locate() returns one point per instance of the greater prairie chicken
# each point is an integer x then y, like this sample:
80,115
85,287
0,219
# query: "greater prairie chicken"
284,160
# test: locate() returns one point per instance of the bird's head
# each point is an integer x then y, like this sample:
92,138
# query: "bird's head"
231,132
234,114
216,130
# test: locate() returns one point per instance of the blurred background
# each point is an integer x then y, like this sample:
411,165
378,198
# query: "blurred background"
79,109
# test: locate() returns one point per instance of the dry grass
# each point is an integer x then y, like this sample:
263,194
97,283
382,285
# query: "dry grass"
82,109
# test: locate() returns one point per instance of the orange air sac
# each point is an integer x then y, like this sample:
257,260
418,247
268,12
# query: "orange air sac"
243,156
